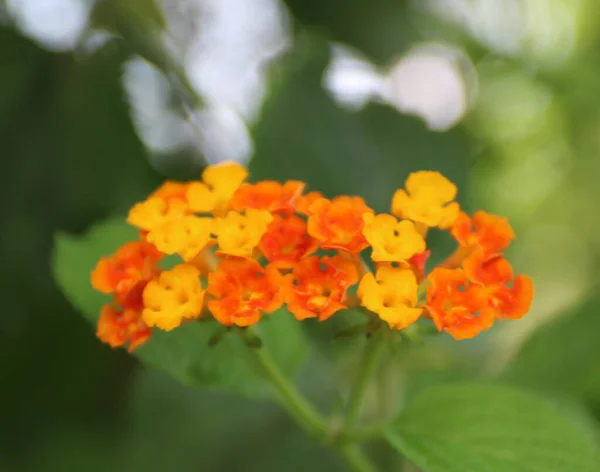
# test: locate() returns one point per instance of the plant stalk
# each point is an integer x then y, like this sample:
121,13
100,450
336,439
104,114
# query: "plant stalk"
369,364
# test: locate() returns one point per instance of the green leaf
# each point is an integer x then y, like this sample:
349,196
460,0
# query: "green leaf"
184,353
570,345
115,15
487,428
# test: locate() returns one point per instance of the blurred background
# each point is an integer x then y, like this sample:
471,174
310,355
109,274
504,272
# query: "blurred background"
101,101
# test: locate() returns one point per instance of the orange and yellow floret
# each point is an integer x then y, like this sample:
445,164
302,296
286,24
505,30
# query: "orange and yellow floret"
247,249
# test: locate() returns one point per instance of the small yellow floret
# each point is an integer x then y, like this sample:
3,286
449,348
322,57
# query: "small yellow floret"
392,294
186,236
154,212
392,240
428,199
239,234
219,184
177,294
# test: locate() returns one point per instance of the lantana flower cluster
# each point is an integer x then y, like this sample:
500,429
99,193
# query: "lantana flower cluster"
247,249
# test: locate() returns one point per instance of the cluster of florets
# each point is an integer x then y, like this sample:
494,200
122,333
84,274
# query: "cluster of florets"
245,250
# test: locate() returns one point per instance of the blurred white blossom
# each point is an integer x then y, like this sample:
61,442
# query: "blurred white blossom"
227,60
222,134
542,29
435,82
225,47
55,24
352,80
158,124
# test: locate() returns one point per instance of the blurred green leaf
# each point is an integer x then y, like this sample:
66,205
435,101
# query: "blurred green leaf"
351,22
485,428
562,356
115,15
184,353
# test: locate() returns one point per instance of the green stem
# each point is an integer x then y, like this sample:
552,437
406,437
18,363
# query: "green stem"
356,459
367,369
306,415
296,405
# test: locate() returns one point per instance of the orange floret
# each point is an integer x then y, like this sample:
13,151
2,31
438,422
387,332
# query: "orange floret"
186,236
118,328
511,297
156,211
489,232
132,298
338,223
418,262
176,295
243,291
268,195
459,308
220,183
392,294
287,241
239,234
317,286
133,262
171,190
304,202
428,199
392,240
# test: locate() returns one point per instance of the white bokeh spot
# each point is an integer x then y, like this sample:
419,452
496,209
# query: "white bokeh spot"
149,94
433,82
350,79
55,24
545,30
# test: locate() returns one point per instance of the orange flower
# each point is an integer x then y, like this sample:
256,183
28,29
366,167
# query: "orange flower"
243,291
490,232
165,204
239,234
268,195
118,328
132,298
155,211
176,295
417,263
171,190
392,294
186,236
338,223
496,275
317,286
287,241
459,308
392,240
133,262
220,182
428,199
304,202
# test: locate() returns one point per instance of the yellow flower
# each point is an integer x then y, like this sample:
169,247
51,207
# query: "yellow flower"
239,234
185,236
392,241
177,294
392,294
154,212
219,184
428,199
